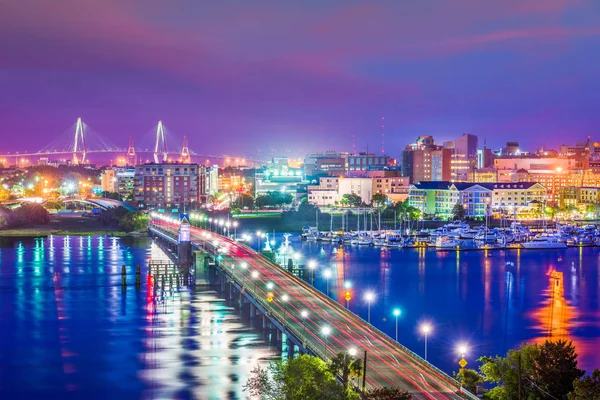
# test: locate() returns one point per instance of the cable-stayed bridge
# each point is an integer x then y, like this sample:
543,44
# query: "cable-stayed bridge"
81,145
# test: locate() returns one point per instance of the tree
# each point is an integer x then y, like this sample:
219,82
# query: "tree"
458,211
387,393
556,367
469,379
112,196
273,199
299,378
351,200
344,365
587,387
547,368
379,200
244,200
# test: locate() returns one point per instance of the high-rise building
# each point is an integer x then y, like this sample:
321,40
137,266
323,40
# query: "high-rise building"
424,161
159,185
464,157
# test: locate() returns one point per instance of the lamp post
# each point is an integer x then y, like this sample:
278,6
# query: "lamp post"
243,266
369,297
255,275
327,275
348,286
352,353
258,233
462,350
426,328
235,224
284,299
325,331
312,265
304,315
397,313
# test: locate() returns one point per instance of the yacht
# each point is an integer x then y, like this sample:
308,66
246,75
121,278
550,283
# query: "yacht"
544,242
310,233
446,243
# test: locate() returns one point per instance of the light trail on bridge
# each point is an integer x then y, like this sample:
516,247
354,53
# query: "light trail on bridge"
389,363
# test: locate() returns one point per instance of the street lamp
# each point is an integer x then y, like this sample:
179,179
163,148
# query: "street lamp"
312,265
304,315
243,266
327,275
352,351
369,297
426,328
325,331
462,350
270,285
258,233
397,313
254,275
284,299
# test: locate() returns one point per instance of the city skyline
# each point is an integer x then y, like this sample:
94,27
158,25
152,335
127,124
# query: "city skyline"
302,78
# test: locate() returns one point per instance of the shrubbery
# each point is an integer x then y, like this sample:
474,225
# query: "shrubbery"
124,219
25,215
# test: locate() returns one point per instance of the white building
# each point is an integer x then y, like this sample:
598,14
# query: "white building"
331,191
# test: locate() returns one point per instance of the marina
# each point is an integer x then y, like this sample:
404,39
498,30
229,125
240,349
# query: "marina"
460,236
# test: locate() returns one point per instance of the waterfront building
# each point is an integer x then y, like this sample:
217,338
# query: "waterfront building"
464,157
107,180
211,186
331,190
118,180
343,163
438,198
330,163
423,160
278,175
357,163
163,185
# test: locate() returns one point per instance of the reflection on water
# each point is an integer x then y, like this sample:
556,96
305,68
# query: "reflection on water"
68,327
493,300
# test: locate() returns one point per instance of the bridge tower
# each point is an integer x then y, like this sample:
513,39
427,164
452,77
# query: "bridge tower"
161,143
185,151
131,152
79,144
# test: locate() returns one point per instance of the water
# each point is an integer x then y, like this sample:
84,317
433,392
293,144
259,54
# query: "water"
67,330
492,301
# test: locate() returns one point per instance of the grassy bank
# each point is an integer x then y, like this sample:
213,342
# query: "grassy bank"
71,225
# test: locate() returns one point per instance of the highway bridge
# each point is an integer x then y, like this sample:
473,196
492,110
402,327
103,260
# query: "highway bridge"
311,320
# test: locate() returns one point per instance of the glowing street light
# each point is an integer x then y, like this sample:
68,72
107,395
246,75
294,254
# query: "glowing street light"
352,351
270,285
243,266
425,329
369,297
312,265
304,315
327,275
397,313
462,350
254,275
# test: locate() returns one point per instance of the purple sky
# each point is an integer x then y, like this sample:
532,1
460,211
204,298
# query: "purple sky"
298,76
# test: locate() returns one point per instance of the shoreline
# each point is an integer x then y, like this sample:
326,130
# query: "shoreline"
53,232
